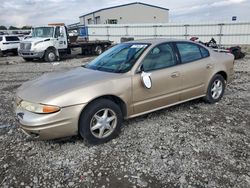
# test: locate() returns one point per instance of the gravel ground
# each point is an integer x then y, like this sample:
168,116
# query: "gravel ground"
190,145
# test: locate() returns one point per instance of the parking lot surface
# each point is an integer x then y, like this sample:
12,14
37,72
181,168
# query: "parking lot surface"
190,145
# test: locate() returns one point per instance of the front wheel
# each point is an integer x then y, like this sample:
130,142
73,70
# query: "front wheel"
100,121
50,55
215,89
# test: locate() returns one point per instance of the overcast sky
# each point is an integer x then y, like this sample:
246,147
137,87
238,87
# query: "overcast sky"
42,12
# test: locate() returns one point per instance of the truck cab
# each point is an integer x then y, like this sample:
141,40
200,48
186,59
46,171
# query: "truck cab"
46,43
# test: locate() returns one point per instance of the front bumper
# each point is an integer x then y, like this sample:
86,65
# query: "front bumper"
9,50
50,126
30,54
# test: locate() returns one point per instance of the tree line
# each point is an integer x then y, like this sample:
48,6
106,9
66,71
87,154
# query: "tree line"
2,27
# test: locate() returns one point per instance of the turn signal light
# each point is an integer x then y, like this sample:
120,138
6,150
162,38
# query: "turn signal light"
50,109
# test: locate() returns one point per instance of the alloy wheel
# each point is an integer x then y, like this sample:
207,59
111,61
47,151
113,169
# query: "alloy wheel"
103,123
216,89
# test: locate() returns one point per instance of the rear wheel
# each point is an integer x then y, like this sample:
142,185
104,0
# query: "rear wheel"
98,50
215,89
50,55
1,53
100,121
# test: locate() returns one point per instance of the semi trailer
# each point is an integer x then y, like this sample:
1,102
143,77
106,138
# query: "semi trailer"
51,42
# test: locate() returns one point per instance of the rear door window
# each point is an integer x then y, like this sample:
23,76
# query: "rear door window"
1,38
204,52
188,51
12,38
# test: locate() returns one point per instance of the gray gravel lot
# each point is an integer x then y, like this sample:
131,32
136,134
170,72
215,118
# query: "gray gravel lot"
190,145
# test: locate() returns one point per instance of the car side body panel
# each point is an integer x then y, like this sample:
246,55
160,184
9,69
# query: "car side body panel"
194,76
165,90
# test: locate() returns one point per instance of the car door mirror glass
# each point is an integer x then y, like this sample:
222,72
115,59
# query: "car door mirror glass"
61,32
146,79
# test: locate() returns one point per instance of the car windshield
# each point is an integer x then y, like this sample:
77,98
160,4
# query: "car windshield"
118,59
43,32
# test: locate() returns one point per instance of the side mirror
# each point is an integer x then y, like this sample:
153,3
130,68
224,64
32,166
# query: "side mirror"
146,79
61,32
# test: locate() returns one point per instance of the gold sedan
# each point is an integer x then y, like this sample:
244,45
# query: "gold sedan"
128,80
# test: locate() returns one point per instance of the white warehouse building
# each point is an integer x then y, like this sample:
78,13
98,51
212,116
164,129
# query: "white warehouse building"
132,13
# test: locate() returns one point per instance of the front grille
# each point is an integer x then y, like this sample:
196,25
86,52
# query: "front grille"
25,46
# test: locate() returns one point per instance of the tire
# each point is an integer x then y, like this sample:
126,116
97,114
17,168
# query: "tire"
1,53
98,50
93,121
27,59
215,89
50,55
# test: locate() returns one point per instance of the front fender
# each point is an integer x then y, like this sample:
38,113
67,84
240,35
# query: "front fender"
120,88
43,46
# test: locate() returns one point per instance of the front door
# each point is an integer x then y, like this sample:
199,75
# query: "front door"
165,77
61,38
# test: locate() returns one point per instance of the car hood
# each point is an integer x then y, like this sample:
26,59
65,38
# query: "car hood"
52,85
35,39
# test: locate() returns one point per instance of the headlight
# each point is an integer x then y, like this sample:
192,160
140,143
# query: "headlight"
39,108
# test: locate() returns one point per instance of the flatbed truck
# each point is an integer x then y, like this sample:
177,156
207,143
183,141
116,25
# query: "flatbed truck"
51,42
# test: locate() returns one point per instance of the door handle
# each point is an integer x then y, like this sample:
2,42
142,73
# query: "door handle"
175,74
209,66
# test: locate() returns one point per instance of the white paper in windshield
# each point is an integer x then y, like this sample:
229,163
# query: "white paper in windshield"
139,46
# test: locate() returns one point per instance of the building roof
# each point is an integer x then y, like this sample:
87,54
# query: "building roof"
124,6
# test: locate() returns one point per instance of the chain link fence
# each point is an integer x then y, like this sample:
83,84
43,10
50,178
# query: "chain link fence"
224,33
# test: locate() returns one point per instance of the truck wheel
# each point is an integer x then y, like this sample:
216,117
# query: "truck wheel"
50,55
1,53
28,59
100,121
98,50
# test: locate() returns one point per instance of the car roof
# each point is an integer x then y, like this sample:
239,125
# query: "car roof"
158,40
155,41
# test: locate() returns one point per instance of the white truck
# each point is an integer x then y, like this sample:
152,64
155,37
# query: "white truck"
50,42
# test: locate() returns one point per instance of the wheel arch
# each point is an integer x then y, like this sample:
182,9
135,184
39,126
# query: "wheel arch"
117,100
223,74
53,48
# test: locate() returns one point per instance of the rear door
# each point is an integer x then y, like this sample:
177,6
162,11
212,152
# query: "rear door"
195,67
161,63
